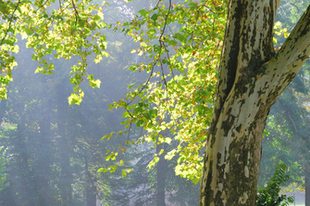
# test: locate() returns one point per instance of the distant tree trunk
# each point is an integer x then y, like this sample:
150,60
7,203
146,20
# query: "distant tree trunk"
44,151
307,187
251,78
2,108
90,187
90,195
66,171
25,187
161,169
63,147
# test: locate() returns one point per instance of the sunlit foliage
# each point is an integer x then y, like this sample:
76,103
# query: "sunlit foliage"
181,46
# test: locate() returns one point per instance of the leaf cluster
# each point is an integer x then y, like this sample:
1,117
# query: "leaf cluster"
181,44
72,29
269,196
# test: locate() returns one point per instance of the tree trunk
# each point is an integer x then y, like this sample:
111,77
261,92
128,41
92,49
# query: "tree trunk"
251,78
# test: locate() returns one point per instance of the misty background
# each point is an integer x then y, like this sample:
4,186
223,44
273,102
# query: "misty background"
51,150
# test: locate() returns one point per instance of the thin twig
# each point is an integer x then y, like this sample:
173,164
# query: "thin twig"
41,5
162,44
128,136
76,12
156,4
163,75
169,9
298,10
147,81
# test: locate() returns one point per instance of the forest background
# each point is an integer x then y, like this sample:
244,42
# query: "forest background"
52,151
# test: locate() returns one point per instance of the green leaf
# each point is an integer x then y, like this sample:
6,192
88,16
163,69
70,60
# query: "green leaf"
147,115
143,12
153,113
131,85
29,31
154,17
133,68
106,54
195,181
95,83
39,69
124,174
286,35
74,99
140,123
170,154
180,37
172,43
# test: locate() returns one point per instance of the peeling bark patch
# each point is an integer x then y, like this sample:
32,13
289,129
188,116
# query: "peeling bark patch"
218,196
272,97
239,128
267,45
255,65
252,89
219,155
260,92
243,198
290,77
246,172
258,103
224,198
242,102
240,85
212,140
238,158
226,125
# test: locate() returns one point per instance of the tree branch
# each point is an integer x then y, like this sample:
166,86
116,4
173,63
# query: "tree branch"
296,49
76,12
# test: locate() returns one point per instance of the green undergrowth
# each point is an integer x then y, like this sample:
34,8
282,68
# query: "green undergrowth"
270,194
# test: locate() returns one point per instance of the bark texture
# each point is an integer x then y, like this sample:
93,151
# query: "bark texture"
251,78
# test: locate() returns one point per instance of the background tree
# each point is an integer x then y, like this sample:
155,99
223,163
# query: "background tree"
183,41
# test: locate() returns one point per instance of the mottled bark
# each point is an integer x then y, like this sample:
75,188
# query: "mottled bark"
251,78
